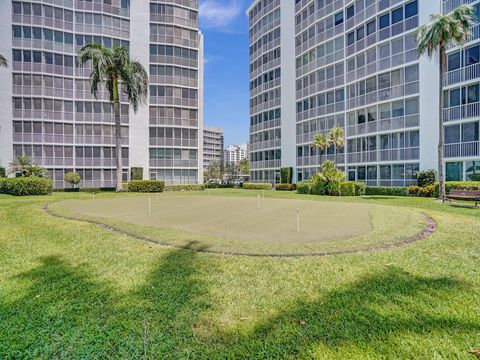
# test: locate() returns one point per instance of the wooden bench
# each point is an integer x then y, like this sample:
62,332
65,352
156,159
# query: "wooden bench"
472,195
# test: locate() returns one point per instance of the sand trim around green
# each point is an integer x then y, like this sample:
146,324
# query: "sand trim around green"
251,226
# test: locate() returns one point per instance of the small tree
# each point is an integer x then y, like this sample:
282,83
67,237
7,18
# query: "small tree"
136,173
426,178
3,173
118,74
332,177
320,142
24,166
213,171
337,139
72,178
244,167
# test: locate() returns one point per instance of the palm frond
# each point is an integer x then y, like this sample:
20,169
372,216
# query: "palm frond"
3,61
101,62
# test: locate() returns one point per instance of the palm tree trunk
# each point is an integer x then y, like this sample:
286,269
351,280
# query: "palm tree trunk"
441,131
118,136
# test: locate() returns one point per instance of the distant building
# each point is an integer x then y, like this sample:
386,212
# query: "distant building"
235,153
212,145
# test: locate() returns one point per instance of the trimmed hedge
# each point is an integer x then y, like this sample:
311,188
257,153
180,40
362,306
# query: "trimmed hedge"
219,186
458,185
360,188
285,187
386,190
186,187
257,186
24,186
146,186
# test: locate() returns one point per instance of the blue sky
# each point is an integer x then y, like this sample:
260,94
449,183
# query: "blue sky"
225,28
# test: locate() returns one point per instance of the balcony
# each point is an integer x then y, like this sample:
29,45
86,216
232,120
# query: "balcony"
384,125
266,164
384,155
466,111
268,144
460,150
316,160
460,75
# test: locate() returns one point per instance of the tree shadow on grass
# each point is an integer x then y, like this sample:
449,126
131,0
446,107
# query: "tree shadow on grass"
65,313
362,316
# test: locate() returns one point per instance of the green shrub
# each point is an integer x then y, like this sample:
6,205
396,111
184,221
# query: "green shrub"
257,186
427,191
457,185
413,190
386,190
24,186
136,173
285,187
317,186
303,187
3,173
426,178
347,188
185,187
286,174
146,186
219,186
359,188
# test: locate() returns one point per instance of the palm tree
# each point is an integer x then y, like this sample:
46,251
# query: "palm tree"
3,61
114,69
433,38
337,139
21,164
320,142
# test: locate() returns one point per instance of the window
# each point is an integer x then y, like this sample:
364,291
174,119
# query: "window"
473,93
454,171
350,38
472,55
384,21
470,132
452,134
360,33
454,98
339,18
472,171
454,61
411,9
350,11
371,27
397,15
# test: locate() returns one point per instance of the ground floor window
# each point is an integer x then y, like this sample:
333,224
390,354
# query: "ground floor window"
472,170
454,171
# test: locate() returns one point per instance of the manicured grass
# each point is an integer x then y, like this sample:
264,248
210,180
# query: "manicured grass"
250,225
70,289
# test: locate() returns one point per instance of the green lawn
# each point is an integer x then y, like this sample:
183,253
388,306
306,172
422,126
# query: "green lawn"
71,289
250,225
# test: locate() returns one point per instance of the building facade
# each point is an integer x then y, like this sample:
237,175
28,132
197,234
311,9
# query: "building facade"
355,65
213,145
235,153
50,115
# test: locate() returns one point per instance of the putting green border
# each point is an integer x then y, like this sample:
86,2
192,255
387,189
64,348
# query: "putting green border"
425,233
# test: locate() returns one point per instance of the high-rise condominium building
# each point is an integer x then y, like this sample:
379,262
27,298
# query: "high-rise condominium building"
320,64
212,145
49,114
235,153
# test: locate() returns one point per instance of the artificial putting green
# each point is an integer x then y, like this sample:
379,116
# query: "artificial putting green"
251,225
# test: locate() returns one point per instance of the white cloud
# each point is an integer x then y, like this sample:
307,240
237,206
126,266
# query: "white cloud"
217,14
